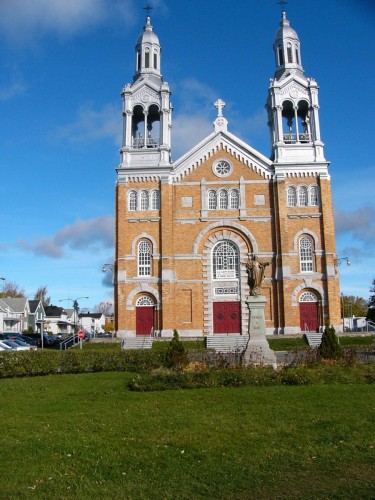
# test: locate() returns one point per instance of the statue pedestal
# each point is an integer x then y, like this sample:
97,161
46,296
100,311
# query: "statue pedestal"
258,351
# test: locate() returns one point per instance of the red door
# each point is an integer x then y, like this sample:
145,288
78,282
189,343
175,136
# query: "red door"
227,317
308,313
144,320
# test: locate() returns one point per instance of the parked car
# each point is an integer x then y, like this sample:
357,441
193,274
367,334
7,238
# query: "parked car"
25,344
15,346
4,347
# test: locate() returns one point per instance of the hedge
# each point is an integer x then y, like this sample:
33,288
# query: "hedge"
44,362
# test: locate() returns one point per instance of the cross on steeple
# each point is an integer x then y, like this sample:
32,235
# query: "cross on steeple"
219,104
282,4
148,8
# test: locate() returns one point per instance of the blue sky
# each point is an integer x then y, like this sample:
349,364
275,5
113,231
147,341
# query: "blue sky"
62,67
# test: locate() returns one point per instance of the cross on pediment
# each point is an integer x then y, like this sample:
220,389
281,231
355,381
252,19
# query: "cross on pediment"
219,104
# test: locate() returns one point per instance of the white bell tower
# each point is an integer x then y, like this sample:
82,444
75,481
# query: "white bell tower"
292,104
146,108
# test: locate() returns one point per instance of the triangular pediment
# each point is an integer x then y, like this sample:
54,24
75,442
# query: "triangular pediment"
226,142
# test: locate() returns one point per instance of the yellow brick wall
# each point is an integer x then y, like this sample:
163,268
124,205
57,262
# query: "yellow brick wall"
175,229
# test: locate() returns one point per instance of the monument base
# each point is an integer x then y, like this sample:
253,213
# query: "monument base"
258,351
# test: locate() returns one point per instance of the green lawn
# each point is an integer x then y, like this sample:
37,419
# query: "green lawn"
87,436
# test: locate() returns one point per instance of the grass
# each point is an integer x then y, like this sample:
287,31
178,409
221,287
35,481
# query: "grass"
87,437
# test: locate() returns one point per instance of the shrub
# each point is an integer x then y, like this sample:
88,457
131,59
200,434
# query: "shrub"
43,362
330,347
177,354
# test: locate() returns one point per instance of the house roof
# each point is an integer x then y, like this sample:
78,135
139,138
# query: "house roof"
53,311
90,315
17,304
33,305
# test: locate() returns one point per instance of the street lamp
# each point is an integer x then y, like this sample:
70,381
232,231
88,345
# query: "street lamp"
339,261
106,266
76,308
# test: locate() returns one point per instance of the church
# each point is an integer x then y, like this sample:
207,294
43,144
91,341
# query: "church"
185,228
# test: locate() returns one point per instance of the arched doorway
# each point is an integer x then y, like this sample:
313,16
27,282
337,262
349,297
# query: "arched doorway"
145,314
309,312
225,278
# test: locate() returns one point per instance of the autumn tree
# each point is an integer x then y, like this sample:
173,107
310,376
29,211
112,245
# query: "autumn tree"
353,306
12,290
41,294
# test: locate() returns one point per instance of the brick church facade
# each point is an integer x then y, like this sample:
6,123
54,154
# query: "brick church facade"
184,228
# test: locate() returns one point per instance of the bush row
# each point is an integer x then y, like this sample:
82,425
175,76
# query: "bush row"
163,379
43,362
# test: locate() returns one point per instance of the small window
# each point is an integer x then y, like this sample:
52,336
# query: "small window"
138,60
306,255
302,196
147,58
155,60
133,201
314,198
211,200
292,196
155,200
297,55
289,53
280,55
234,199
144,258
223,199
144,200
308,297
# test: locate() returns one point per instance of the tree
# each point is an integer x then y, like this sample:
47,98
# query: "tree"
371,303
104,307
41,294
353,306
330,347
12,290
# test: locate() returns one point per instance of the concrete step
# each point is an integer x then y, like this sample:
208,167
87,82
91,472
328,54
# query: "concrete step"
140,342
227,342
314,339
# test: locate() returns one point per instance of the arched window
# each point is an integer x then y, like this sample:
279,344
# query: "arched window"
144,258
147,58
133,200
292,196
211,200
155,200
138,60
225,261
308,297
302,196
289,52
280,55
145,300
314,197
155,60
144,200
306,255
297,54
223,199
234,199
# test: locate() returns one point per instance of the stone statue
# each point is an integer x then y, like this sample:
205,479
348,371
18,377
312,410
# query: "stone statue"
255,274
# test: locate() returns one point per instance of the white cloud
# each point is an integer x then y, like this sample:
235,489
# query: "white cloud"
187,131
94,124
24,19
13,87
82,235
359,224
